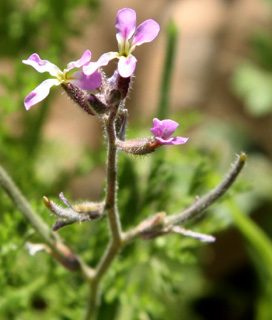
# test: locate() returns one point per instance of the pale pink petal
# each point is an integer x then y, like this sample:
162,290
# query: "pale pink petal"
163,141
40,93
179,140
173,140
126,66
85,82
146,32
125,24
101,62
86,57
42,65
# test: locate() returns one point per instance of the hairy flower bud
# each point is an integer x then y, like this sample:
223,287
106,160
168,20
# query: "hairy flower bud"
121,84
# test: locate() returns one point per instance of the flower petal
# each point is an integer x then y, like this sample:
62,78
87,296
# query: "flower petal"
126,66
86,82
125,24
40,93
146,32
168,127
164,128
42,65
172,141
156,127
86,57
179,140
102,61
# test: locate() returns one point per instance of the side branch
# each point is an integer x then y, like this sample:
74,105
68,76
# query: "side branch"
203,203
57,249
159,224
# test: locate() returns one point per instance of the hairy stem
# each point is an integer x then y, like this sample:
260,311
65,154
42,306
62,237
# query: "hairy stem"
111,209
111,199
202,204
197,208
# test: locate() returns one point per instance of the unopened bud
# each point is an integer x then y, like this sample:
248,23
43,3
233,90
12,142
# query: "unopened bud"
121,84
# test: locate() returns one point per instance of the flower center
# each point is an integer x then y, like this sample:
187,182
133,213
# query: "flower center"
62,76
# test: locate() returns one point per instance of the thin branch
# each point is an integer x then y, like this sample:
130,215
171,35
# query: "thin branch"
59,251
158,224
203,203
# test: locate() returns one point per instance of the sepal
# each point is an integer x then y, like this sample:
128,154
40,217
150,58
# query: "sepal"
136,146
79,96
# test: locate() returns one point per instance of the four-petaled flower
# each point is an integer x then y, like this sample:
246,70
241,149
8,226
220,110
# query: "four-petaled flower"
128,37
77,78
163,130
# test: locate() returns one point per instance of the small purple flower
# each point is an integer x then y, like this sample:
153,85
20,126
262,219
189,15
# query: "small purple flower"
163,130
78,78
128,37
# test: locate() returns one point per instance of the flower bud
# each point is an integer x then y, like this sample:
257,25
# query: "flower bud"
121,84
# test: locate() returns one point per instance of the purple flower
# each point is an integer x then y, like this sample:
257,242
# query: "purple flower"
163,130
128,37
78,78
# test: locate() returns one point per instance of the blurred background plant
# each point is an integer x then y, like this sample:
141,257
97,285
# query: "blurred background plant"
230,279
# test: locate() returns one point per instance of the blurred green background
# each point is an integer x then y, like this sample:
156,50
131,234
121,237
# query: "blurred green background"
210,70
